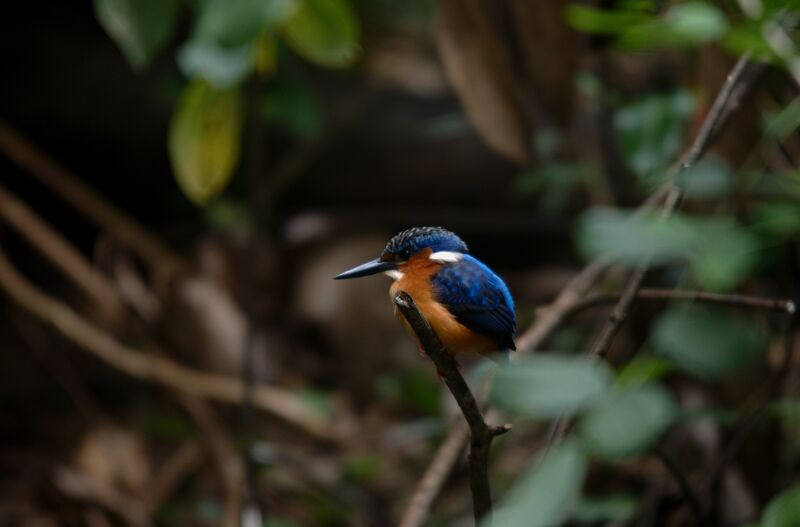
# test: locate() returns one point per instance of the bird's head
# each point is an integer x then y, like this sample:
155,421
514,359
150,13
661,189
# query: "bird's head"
442,245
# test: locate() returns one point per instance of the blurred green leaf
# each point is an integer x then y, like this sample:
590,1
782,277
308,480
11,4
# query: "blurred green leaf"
236,23
412,386
226,215
295,107
318,401
777,185
167,426
627,421
650,130
325,32
545,494
748,36
711,177
777,220
783,510
683,25
719,252
555,182
641,370
708,343
362,468
549,385
552,175
784,122
204,139
770,7
696,22
602,21
718,415
788,410
614,509
222,67
225,40
139,27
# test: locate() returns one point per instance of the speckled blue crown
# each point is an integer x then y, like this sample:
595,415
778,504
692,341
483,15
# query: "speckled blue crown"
411,241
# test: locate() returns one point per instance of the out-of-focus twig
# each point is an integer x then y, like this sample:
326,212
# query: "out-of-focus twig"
708,131
481,434
88,202
683,483
63,256
153,368
187,457
779,305
418,508
229,463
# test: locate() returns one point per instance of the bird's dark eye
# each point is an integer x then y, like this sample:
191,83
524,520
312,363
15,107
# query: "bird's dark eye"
405,254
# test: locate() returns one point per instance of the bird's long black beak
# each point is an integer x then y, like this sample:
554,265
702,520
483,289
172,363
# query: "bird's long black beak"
366,269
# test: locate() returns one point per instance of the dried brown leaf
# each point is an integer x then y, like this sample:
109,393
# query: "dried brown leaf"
549,49
478,68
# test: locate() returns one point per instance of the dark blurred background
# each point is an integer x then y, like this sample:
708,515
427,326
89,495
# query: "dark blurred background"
504,124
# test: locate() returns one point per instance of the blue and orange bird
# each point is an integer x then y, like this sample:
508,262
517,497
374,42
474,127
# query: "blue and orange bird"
466,303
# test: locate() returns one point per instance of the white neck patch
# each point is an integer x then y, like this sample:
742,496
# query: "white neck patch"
446,257
394,274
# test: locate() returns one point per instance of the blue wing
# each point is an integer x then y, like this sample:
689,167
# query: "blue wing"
478,298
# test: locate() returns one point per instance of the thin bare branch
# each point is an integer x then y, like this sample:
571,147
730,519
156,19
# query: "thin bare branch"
779,305
481,434
418,508
153,368
680,478
63,256
88,202
186,458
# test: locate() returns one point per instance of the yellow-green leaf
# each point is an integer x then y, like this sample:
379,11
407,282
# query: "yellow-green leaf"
325,32
204,139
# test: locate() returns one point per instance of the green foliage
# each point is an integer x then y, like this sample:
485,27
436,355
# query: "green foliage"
545,494
234,23
295,108
414,387
204,139
682,25
166,426
230,40
601,510
325,32
708,343
710,178
719,253
786,121
642,369
777,220
783,510
627,421
547,385
224,43
362,468
140,28
222,67
650,130
556,182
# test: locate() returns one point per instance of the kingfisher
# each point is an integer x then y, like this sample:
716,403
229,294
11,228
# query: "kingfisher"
468,306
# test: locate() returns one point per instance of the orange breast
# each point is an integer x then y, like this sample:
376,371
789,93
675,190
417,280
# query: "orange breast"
416,281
